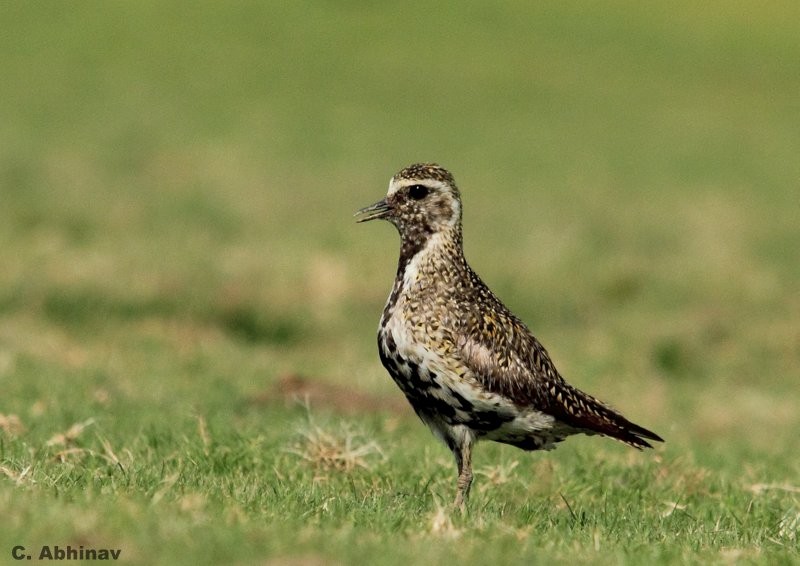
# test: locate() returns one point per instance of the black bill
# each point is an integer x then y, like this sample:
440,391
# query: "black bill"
378,210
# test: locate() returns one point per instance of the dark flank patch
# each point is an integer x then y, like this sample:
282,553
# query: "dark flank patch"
387,361
531,442
391,346
430,405
486,421
407,376
462,401
413,373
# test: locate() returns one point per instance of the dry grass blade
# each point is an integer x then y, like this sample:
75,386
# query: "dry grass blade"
759,488
11,425
497,475
18,477
344,451
63,455
110,455
441,524
671,507
68,437
166,485
202,430
789,526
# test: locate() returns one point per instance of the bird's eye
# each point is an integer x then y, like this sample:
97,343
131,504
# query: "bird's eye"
418,192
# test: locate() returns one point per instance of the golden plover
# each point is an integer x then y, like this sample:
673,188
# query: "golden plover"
470,368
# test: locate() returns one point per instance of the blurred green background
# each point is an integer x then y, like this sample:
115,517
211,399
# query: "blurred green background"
177,184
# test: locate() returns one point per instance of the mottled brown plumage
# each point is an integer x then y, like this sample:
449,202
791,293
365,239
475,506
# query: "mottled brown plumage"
468,366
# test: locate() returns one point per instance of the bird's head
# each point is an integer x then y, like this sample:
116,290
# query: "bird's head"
422,200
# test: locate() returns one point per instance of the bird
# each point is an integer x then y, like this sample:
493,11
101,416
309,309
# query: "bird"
469,367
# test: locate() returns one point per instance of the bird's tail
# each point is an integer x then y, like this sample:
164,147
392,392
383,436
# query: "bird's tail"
582,411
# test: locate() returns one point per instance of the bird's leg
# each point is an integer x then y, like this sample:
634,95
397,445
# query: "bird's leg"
462,450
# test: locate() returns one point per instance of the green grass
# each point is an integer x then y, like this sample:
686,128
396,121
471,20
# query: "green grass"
177,186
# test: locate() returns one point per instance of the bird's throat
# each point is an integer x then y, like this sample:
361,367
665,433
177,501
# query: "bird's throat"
425,254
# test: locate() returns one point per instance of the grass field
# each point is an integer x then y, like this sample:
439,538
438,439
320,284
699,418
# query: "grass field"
180,265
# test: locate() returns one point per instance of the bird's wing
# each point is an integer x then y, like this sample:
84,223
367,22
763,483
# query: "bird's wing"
514,364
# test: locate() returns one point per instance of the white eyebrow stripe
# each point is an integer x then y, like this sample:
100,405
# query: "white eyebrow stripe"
397,184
